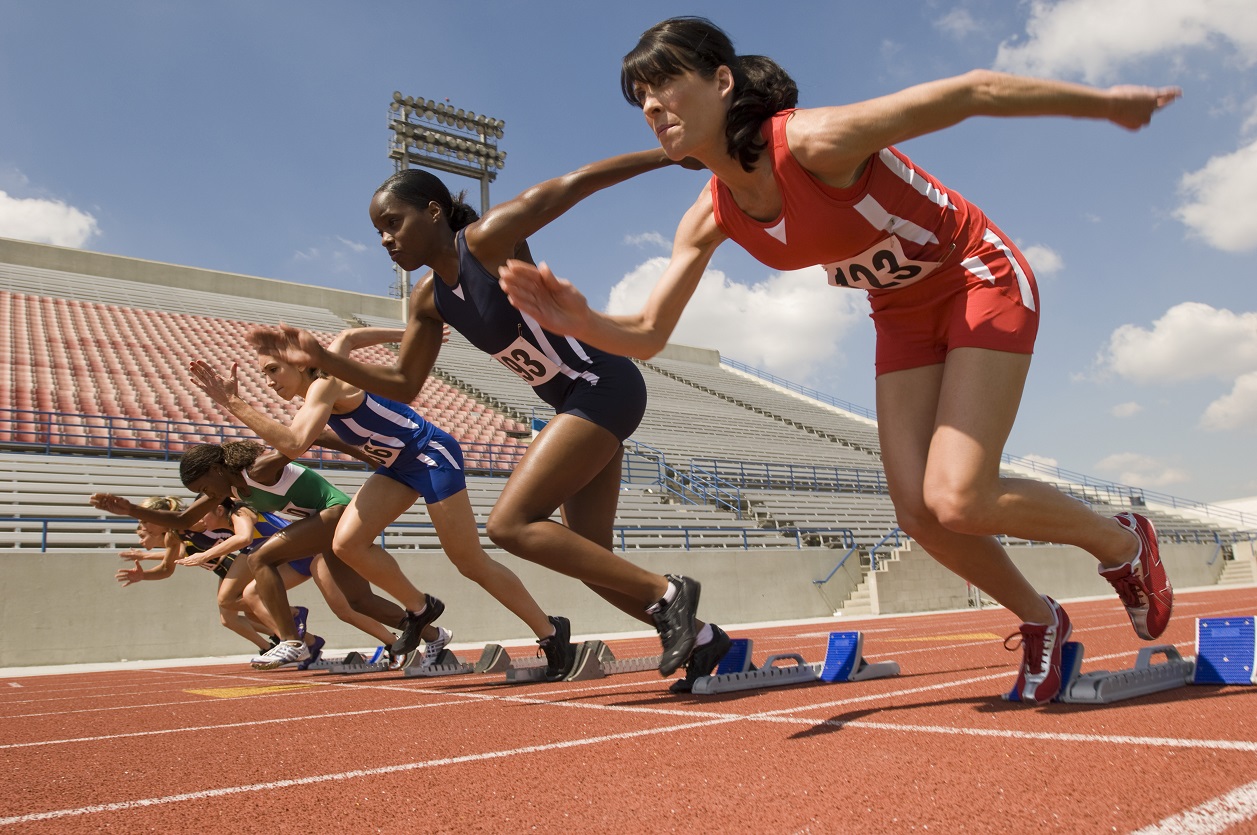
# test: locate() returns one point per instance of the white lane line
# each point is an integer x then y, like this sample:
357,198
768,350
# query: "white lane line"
350,775
1217,815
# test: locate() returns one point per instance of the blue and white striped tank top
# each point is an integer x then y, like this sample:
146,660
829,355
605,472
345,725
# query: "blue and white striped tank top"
384,429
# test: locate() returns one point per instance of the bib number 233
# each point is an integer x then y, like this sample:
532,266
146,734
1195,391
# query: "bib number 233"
523,358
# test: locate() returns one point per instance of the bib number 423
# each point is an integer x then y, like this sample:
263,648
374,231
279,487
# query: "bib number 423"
882,266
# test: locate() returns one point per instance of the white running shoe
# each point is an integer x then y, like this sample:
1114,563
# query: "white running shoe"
285,652
432,649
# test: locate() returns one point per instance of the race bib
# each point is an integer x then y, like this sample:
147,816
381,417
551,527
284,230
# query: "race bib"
529,363
382,455
291,509
883,266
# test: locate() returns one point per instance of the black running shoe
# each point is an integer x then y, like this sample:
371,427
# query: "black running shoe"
703,661
559,649
675,624
412,626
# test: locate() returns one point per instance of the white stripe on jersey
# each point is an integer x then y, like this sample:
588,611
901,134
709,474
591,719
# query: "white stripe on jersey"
388,414
879,218
445,453
382,440
287,478
553,356
979,270
909,175
1023,283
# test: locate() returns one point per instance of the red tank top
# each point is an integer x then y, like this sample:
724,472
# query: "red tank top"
891,228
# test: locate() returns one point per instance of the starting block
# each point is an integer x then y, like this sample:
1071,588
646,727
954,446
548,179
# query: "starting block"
493,659
844,661
1225,651
1101,687
594,659
356,662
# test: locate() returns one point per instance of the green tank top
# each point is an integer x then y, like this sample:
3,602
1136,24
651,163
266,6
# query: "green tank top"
300,491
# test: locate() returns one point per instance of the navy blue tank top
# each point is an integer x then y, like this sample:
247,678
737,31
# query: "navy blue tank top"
478,308
383,429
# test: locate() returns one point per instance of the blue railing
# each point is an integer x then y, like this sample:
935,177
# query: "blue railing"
760,475
113,436
894,534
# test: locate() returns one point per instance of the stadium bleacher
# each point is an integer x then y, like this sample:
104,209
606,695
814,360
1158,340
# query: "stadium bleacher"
90,361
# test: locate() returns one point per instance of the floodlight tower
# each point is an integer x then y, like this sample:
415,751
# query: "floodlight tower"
437,135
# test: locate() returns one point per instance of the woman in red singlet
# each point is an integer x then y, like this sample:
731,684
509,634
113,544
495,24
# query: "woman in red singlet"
954,303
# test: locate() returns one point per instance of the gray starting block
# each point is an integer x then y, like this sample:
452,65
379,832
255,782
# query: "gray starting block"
1225,650
1101,687
844,661
594,659
493,659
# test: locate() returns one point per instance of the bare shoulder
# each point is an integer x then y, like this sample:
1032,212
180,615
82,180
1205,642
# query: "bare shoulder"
423,299
698,227
832,143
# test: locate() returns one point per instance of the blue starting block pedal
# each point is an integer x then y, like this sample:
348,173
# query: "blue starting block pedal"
1103,687
844,661
737,659
1225,651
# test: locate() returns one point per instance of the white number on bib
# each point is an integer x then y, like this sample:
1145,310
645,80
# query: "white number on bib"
523,358
882,266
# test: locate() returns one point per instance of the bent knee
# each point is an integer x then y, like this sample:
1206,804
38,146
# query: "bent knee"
959,510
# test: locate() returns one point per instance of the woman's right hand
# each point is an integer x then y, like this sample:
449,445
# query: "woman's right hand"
110,503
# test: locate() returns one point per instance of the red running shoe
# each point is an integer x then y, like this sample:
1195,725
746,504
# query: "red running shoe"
1141,583
1039,679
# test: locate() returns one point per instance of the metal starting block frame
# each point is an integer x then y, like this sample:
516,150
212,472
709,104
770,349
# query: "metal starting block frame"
844,661
1101,687
594,660
356,662
493,659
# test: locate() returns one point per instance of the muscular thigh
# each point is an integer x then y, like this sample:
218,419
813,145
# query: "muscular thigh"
567,456
304,537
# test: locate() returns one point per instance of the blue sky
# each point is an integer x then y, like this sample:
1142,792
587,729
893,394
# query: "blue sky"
248,137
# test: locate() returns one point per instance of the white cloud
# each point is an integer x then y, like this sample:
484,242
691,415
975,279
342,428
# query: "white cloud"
45,221
790,323
1095,39
1043,260
958,23
1191,341
1141,470
355,246
1042,460
1219,200
1237,410
1125,410
651,239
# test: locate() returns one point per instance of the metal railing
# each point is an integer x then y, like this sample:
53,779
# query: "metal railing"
112,436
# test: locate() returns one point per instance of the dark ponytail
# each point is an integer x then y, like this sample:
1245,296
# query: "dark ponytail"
761,87
234,455
419,188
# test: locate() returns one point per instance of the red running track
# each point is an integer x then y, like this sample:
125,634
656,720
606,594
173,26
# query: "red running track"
228,749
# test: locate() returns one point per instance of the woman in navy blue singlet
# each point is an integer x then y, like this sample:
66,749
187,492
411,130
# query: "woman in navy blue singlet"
599,398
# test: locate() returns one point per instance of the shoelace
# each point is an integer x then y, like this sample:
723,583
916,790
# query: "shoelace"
432,652
1130,589
1031,645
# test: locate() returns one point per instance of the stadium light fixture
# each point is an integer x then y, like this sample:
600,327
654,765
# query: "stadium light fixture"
437,135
